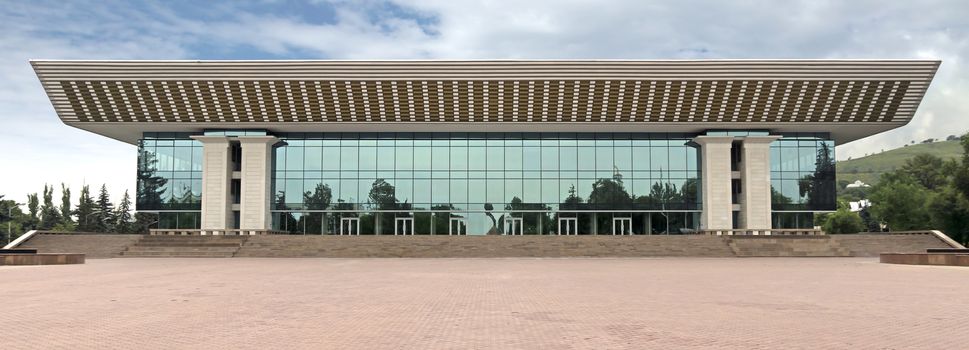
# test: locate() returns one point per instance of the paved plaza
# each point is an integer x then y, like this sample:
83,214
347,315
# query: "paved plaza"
756,303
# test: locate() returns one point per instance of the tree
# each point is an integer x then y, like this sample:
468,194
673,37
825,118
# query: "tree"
49,214
778,198
85,211
843,221
609,193
66,204
960,174
319,199
104,211
382,195
151,187
122,216
819,186
899,201
949,212
572,201
144,221
17,220
33,206
867,219
930,171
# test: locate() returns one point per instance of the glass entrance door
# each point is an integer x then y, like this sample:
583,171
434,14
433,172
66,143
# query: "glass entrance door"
350,226
404,226
513,226
622,226
568,226
458,226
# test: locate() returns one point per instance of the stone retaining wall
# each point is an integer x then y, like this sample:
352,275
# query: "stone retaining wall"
91,245
926,259
41,259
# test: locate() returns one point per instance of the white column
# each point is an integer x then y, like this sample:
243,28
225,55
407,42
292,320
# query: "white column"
256,176
216,179
715,182
755,207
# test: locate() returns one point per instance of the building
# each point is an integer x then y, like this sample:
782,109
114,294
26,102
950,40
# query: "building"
486,147
857,184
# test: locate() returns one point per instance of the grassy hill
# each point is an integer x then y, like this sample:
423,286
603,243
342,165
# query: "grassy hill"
868,169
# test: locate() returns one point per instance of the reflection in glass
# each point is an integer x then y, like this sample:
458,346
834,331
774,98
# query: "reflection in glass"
539,178
803,173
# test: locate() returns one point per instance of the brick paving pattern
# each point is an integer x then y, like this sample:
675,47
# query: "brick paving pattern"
652,303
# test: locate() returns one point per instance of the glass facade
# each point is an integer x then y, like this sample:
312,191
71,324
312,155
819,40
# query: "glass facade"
483,183
170,179
169,173
803,174
480,179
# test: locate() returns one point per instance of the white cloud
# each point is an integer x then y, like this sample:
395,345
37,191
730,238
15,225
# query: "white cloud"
47,151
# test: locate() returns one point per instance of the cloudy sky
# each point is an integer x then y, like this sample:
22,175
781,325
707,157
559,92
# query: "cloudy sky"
35,148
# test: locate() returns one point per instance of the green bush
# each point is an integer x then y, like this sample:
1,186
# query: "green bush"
842,221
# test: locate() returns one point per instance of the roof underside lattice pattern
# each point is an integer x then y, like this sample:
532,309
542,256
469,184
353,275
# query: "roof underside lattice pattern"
854,92
487,101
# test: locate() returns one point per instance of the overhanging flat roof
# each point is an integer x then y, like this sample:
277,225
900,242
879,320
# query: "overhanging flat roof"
850,99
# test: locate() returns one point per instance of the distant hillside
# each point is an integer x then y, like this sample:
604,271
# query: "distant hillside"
868,169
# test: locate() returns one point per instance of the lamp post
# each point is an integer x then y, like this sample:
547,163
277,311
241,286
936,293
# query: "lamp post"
10,220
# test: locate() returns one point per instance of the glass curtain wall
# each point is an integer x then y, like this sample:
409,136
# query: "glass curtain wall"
170,179
485,183
802,179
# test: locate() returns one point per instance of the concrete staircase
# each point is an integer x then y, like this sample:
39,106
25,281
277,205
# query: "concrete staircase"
423,246
786,246
873,244
111,245
185,247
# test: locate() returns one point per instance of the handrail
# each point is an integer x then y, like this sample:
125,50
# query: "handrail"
23,238
945,238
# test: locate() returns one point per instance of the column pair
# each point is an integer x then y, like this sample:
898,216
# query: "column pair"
717,182
254,175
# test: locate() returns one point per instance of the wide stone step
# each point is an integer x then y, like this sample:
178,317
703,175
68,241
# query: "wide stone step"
483,246
192,239
817,246
186,244
179,254
181,249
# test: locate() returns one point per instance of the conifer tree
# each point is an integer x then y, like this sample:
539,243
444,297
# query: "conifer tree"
123,220
86,222
104,211
144,222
